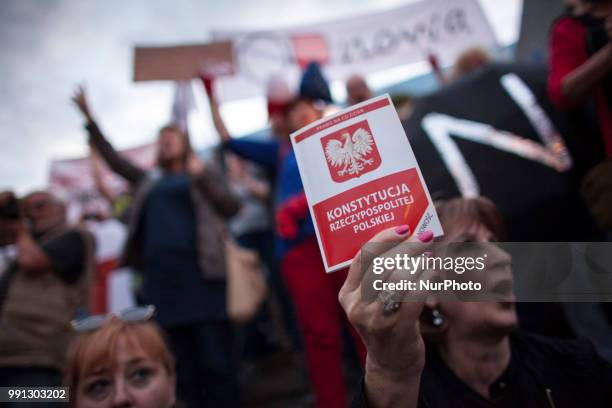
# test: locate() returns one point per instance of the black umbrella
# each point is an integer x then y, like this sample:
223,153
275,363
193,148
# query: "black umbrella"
480,135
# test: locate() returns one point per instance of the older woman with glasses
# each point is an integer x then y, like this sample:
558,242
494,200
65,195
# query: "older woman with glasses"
176,238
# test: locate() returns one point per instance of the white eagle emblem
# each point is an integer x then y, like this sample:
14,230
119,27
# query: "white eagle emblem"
352,155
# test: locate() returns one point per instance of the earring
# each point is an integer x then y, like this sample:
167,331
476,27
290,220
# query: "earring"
438,319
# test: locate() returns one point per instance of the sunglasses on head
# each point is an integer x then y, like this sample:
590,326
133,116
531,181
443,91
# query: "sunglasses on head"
138,314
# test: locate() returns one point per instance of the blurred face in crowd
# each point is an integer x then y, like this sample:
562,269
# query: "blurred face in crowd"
469,61
236,167
122,370
357,90
278,125
404,109
171,144
302,113
43,211
467,319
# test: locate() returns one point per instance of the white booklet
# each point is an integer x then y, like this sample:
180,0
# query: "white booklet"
360,177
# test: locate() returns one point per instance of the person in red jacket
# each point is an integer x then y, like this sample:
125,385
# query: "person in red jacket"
314,292
581,62
580,82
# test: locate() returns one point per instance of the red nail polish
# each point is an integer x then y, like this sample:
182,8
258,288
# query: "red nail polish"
426,236
402,229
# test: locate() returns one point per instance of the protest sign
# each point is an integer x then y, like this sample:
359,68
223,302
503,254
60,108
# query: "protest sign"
360,177
181,62
361,44
72,179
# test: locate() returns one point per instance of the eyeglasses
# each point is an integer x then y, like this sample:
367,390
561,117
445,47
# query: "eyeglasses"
139,314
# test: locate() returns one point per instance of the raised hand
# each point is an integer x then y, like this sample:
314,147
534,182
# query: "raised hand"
396,352
289,215
79,98
207,74
195,165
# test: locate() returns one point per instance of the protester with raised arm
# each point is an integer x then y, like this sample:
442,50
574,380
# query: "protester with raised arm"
313,291
266,153
176,238
269,154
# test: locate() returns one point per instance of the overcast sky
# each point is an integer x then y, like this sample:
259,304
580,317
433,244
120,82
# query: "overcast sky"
48,46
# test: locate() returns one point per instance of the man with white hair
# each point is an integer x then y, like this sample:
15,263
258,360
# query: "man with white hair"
45,287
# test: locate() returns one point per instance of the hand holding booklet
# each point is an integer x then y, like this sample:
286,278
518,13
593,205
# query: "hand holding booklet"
360,177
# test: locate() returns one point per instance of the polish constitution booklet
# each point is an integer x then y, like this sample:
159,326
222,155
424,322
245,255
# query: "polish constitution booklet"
360,177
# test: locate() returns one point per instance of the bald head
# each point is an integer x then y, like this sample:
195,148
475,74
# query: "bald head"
357,90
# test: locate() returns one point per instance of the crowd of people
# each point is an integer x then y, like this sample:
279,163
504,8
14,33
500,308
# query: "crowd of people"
183,346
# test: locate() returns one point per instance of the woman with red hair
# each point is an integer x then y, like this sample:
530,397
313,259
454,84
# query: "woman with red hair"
120,361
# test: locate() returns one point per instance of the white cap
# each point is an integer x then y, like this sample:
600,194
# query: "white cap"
278,91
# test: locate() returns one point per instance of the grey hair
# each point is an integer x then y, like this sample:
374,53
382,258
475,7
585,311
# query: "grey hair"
53,196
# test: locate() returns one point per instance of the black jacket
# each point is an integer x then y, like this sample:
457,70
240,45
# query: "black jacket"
543,373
